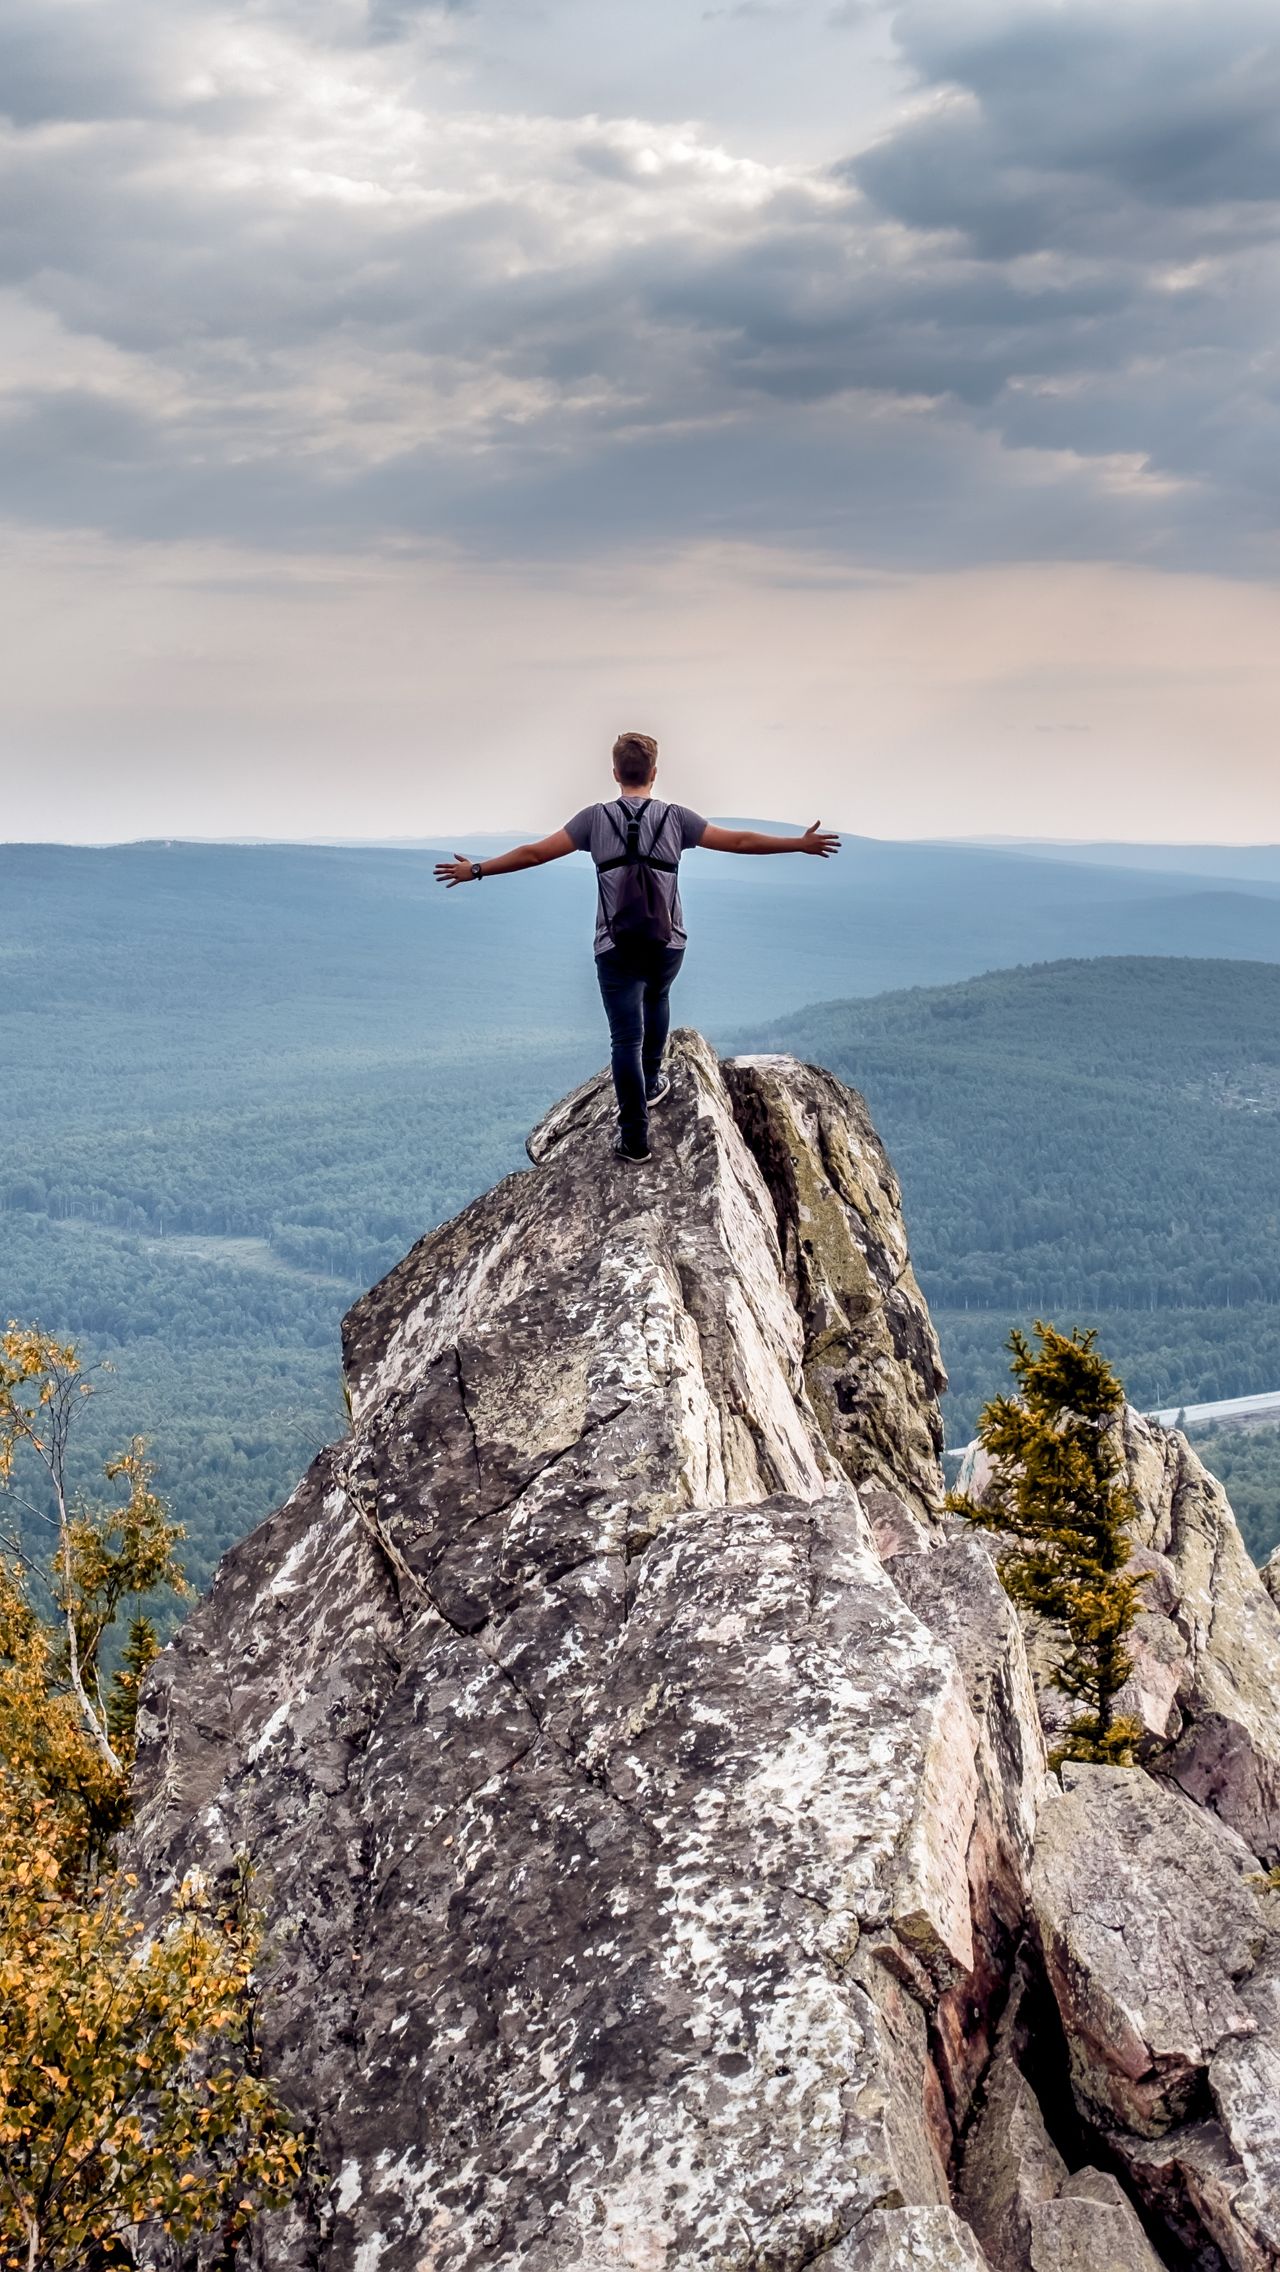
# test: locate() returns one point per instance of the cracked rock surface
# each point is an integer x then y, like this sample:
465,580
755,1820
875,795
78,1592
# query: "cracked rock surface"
647,1785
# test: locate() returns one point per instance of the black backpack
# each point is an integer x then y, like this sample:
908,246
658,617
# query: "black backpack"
642,914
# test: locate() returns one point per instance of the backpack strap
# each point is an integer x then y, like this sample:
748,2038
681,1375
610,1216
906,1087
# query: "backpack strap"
630,835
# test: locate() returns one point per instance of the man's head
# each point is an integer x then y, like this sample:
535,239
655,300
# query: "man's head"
635,760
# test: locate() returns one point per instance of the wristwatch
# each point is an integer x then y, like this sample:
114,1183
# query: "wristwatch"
477,870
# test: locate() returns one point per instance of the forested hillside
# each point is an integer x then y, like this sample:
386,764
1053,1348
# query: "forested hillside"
1247,1460
1094,1142
240,1081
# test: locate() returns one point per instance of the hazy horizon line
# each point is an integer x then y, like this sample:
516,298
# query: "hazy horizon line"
518,835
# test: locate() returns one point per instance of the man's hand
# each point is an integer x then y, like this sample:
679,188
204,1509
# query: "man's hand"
455,871
715,839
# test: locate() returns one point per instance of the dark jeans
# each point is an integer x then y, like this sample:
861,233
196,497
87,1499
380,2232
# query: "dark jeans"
635,983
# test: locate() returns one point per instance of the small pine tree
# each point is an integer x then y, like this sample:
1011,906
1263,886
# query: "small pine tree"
1058,1495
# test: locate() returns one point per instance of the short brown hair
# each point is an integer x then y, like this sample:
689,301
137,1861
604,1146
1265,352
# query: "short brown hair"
635,760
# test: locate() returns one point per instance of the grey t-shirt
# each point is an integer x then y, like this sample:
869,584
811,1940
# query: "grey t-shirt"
665,831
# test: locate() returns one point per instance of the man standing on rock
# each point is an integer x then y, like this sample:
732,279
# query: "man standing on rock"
636,841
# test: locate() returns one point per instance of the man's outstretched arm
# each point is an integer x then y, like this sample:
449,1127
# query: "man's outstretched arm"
815,840
461,870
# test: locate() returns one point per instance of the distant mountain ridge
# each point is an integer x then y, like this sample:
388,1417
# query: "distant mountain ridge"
1241,862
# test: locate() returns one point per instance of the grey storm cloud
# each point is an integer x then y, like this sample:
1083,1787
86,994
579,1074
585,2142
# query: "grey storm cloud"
1176,107
280,284
66,69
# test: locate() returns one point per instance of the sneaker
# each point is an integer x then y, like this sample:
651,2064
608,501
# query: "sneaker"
634,1158
660,1091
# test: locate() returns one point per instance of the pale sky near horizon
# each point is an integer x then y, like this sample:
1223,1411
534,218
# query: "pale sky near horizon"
877,402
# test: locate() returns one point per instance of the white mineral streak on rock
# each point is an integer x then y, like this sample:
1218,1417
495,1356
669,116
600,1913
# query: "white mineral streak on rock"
270,1730
347,2190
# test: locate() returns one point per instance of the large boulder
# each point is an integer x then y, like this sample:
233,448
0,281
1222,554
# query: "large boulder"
622,1829
1160,1944
1148,1926
1090,2226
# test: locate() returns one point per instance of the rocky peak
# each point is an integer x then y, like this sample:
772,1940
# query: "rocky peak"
646,1782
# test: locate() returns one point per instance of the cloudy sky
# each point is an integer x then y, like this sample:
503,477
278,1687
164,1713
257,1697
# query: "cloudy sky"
880,403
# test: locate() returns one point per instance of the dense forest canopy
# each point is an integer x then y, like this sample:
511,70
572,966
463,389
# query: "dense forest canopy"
241,1080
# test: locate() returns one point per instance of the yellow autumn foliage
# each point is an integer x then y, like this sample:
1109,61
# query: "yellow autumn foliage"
130,2096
